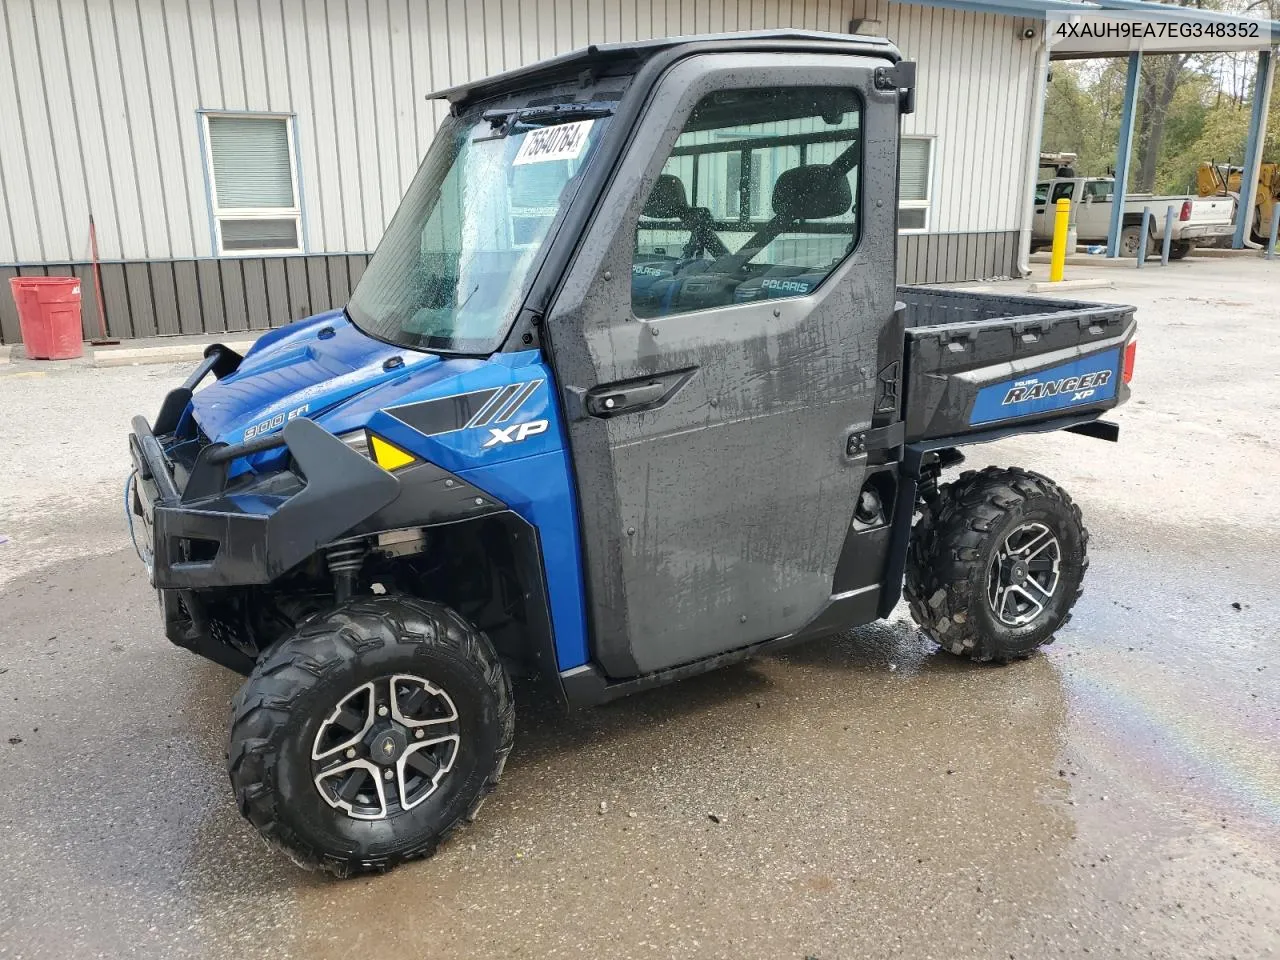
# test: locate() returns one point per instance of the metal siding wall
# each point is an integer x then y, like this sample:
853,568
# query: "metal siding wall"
25,129
145,298
968,65
105,94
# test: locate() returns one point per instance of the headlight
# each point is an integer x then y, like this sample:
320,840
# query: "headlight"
357,440
382,452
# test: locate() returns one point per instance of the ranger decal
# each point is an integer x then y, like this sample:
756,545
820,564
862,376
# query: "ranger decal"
1087,380
1080,388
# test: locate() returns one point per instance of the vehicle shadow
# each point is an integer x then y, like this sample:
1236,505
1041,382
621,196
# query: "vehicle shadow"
862,772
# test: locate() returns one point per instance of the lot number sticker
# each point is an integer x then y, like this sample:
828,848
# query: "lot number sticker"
564,141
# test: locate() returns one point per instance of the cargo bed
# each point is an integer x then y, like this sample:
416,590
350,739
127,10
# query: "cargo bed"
980,361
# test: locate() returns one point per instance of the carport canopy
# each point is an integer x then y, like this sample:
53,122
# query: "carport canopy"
1085,29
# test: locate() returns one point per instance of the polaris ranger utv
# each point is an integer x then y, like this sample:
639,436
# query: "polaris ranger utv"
626,393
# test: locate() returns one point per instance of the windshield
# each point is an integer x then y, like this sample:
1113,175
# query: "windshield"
456,261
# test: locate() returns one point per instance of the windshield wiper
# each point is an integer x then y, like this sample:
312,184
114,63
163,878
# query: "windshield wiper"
505,120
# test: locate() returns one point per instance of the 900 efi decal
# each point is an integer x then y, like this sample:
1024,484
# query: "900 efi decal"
1087,380
273,423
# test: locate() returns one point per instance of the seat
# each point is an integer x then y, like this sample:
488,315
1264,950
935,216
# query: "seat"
668,201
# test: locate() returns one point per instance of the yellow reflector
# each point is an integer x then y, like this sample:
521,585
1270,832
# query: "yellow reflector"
388,456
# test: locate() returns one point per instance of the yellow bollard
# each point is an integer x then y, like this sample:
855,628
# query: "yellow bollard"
1060,221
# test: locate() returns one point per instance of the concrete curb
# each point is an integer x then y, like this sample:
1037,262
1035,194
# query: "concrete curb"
1085,283
189,352
164,353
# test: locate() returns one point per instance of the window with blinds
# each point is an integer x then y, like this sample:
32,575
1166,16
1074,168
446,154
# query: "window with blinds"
253,184
915,182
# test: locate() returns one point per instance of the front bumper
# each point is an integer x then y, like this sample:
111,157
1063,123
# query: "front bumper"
201,534
208,533
202,531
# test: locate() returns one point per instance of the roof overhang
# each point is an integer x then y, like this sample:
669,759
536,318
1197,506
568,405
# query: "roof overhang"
630,56
1078,29
1122,27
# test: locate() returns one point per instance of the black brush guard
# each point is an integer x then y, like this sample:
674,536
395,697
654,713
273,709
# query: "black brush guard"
208,534
205,531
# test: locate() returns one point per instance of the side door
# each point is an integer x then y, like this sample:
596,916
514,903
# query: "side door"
718,340
1093,218
1042,224
1046,211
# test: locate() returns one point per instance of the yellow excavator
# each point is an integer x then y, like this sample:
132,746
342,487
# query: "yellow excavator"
1223,180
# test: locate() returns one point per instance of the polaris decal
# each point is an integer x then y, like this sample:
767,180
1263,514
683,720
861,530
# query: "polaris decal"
786,286
1088,380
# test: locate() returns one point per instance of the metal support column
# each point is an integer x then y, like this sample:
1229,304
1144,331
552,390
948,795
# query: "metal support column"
1031,176
1253,150
1123,149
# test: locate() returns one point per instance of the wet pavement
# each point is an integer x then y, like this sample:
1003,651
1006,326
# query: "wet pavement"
1116,795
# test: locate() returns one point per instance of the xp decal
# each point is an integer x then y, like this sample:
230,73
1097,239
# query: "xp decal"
1088,380
516,432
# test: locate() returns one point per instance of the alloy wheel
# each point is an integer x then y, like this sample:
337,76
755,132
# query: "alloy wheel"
1024,574
386,747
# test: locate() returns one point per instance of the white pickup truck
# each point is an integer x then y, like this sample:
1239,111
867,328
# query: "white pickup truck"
1196,219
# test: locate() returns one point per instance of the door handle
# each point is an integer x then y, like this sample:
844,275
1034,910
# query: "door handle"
628,396
609,401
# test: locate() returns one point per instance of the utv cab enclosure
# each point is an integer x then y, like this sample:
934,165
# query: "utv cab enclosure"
627,392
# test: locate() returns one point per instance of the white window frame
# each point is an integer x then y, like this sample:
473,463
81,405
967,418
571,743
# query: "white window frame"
217,214
927,203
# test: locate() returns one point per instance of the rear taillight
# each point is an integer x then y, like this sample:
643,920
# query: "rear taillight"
1130,352
1186,210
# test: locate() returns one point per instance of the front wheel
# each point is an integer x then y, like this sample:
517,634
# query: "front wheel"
367,736
996,564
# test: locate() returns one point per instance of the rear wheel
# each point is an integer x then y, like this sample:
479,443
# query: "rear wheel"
362,740
996,564
1180,248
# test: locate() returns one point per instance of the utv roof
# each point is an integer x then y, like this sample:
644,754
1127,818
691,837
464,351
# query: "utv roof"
600,56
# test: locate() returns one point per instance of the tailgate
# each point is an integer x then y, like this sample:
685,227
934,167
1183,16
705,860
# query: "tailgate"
1209,210
977,362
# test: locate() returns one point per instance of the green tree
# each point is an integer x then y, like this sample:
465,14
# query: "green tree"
1196,109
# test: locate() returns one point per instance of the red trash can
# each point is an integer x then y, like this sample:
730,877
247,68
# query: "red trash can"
49,316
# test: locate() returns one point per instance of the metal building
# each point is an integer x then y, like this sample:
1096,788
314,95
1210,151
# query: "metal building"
240,158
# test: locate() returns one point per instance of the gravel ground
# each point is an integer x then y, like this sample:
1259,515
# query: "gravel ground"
1118,794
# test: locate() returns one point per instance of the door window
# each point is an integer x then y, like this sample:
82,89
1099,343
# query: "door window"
757,201
1062,191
